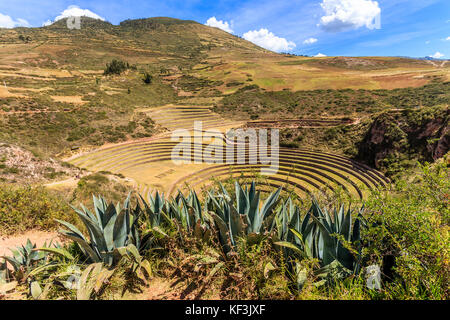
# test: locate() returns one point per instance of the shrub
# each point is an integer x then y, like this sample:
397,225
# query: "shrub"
147,78
116,67
25,208
409,235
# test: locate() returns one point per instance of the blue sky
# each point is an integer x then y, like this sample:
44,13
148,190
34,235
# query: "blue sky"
331,27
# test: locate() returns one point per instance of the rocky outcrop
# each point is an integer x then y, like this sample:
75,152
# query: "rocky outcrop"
422,134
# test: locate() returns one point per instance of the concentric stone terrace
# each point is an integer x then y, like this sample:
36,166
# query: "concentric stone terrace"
175,117
152,165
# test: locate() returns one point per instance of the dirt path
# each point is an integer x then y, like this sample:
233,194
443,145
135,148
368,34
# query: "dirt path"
71,182
159,289
172,289
35,236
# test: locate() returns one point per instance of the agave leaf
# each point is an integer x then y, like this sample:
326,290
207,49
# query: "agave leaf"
225,192
334,270
58,251
267,207
290,246
304,243
329,247
73,229
134,251
86,283
95,232
253,208
295,219
268,267
145,265
120,233
43,268
126,203
13,262
346,227
223,231
87,213
103,276
121,252
99,210
236,224
87,250
252,191
108,230
241,199
356,236
109,213
305,222
196,205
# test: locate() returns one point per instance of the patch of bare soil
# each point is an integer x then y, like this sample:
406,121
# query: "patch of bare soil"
160,289
173,289
20,165
35,236
4,92
69,99
400,81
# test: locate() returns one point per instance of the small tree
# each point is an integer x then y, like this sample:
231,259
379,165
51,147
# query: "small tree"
116,67
147,78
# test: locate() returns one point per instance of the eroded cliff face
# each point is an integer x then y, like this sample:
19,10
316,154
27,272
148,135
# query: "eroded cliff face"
421,134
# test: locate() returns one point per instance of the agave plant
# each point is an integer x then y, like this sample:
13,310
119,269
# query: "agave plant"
287,218
247,218
327,237
24,260
28,262
110,227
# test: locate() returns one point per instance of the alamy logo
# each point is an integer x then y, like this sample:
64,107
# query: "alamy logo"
73,282
376,24
74,23
373,274
237,146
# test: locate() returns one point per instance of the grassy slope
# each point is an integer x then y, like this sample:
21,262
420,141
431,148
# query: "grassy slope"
57,99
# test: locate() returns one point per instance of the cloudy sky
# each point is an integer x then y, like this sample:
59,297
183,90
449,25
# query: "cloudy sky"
314,27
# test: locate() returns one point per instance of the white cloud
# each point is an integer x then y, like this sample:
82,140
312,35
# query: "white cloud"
341,15
8,22
224,25
310,41
437,55
74,11
447,39
266,39
320,55
47,23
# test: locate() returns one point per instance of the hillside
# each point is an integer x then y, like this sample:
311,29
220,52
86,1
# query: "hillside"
56,100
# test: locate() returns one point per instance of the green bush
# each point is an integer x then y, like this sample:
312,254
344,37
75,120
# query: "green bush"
98,183
409,236
116,67
25,208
